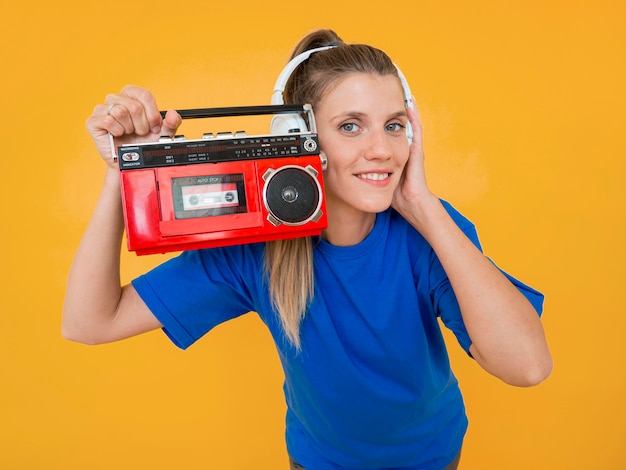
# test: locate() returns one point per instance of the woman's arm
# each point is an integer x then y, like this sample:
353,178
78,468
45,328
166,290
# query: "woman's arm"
506,332
97,308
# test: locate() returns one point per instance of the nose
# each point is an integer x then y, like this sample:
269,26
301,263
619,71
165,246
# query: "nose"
378,146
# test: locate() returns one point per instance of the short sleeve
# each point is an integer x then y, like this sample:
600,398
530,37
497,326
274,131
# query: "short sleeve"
198,290
442,294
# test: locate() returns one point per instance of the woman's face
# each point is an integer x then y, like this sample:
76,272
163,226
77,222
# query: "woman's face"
361,126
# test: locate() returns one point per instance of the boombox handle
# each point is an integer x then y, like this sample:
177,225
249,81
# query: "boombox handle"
239,111
249,111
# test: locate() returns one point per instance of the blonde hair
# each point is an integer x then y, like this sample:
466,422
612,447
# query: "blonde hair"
289,263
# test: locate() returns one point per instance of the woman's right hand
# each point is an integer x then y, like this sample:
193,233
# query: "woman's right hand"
131,116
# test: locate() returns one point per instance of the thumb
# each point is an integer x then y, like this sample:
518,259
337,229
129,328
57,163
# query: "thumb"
171,122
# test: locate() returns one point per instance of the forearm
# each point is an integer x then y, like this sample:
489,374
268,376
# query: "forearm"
94,288
97,309
506,332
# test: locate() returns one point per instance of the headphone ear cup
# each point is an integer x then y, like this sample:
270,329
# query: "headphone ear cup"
409,132
287,124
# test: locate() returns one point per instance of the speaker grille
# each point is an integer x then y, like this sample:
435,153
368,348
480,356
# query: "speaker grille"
292,195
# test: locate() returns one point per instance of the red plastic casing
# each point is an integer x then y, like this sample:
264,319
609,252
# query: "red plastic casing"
152,226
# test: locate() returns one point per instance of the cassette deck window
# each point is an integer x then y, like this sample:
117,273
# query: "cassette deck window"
209,195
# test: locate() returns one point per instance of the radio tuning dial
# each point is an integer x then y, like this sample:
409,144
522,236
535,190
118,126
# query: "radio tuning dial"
310,145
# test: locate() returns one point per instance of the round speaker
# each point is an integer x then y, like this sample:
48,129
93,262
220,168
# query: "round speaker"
292,195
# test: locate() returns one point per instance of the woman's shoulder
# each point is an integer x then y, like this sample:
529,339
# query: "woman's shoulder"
248,252
459,219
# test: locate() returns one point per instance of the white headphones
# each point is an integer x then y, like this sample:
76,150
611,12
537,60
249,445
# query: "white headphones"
286,123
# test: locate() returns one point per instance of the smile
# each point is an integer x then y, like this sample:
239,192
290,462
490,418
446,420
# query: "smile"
373,176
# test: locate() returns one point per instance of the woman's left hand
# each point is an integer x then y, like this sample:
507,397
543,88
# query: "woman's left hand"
506,333
412,189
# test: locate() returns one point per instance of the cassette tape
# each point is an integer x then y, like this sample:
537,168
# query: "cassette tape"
223,189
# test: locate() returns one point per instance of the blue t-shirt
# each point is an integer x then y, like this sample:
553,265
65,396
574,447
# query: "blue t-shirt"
372,387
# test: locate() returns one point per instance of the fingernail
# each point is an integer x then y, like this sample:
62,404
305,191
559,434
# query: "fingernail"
156,129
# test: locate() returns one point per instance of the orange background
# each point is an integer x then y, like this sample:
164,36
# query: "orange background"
524,111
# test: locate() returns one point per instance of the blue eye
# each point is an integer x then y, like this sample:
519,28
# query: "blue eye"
395,127
349,127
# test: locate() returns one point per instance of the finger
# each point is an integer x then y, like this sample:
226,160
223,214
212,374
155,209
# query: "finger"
416,122
171,123
414,114
135,109
100,126
149,107
100,123
128,113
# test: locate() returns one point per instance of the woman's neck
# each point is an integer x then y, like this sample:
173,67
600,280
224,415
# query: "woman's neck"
348,229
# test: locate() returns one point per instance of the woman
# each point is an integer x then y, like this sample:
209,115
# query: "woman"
354,313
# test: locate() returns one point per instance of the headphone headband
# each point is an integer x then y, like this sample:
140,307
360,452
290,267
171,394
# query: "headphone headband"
293,123
281,81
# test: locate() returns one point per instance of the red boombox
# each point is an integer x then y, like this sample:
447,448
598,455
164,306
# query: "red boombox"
223,189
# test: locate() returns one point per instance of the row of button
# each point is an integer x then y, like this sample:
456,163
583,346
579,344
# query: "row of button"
228,135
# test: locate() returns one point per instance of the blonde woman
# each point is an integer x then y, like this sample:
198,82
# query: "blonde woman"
353,313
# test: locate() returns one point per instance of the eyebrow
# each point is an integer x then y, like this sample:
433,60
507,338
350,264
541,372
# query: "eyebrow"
359,114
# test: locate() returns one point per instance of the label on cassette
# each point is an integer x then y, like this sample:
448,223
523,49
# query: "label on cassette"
208,195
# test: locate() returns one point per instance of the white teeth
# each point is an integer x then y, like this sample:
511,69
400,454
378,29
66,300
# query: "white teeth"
374,176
